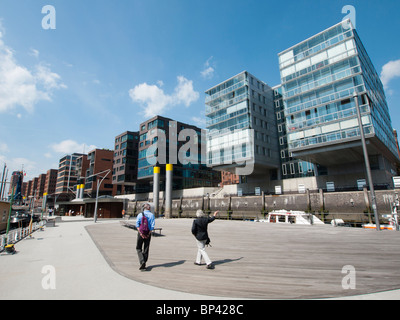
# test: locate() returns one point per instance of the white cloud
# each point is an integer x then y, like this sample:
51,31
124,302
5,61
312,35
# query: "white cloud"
199,122
152,97
21,87
71,146
154,100
48,79
29,166
208,72
184,92
34,53
390,71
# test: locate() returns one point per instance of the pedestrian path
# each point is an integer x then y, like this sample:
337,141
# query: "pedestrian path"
81,272
253,260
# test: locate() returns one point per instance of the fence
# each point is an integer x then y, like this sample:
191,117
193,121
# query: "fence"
16,235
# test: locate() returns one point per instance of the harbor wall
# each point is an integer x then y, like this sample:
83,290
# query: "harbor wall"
354,206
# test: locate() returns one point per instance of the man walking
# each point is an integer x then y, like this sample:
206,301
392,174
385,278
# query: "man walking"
199,230
145,225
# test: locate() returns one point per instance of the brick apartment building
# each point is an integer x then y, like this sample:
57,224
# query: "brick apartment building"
100,160
67,176
51,182
125,164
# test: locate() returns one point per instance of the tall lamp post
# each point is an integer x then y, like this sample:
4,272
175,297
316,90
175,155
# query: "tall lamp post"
97,191
367,165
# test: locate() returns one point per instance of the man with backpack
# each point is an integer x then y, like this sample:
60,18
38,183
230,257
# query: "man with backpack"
145,225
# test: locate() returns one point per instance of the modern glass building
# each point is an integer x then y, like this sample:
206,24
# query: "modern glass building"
318,78
242,135
291,167
165,141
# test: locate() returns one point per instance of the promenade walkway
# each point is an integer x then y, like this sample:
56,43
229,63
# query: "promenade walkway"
81,272
253,261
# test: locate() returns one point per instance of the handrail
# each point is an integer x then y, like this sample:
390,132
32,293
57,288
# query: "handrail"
17,235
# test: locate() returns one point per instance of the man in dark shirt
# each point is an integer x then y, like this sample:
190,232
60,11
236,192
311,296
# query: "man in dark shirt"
199,230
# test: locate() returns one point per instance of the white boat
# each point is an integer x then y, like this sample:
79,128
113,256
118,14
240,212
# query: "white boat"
292,217
382,226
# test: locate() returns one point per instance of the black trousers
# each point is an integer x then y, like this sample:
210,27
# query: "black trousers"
142,248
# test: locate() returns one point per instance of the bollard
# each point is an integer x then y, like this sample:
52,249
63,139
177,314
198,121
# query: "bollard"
168,191
156,191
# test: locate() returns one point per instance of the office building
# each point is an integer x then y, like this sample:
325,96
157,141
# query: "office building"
161,141
318,78
125,163
290,167
242,136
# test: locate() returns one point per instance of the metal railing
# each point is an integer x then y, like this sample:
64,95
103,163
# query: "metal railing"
16,235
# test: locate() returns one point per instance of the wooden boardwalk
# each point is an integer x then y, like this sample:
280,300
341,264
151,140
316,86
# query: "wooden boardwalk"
257,260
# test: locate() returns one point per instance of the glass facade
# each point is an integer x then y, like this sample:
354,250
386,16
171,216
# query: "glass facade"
241,123
290,166
163,140
319,77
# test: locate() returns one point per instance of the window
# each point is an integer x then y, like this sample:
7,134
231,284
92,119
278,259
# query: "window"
244,150
292,171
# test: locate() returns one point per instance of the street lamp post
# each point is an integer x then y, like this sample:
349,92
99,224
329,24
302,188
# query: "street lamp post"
367,165
97,191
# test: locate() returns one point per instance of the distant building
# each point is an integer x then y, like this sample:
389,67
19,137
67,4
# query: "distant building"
125,163
100,161
16,183
67,176
51,181
33,186
228,178
40,190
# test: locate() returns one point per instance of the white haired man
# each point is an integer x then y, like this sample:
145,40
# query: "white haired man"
199,230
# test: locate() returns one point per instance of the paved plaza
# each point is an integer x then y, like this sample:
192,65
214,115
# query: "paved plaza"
253,260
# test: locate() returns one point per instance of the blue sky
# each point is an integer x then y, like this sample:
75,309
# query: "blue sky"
110,65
